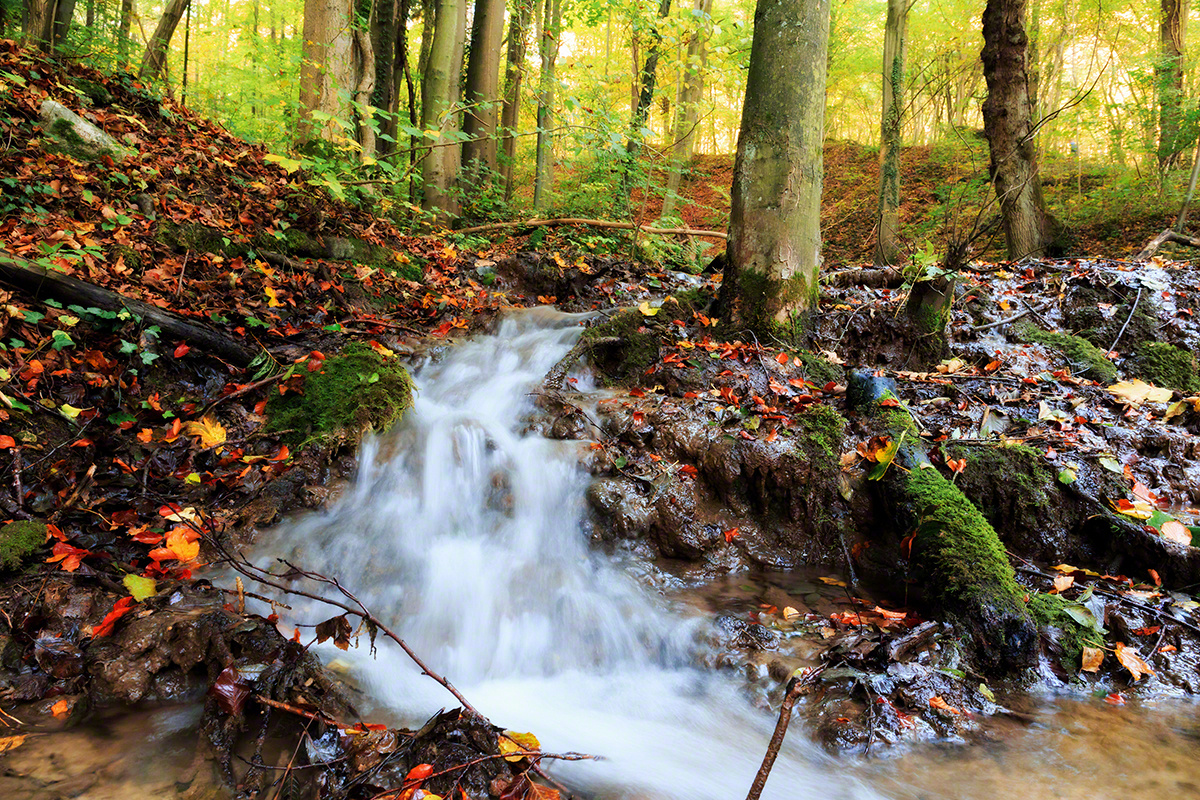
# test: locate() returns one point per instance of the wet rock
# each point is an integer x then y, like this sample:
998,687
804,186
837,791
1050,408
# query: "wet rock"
741,634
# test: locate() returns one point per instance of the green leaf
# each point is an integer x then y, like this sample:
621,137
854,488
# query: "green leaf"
289,165
118,417
1112,465
32,317
620,461
1067,476
127,347
61,340
140,588
1084,617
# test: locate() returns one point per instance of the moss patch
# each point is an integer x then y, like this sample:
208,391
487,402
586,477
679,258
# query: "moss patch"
820,370
1048,611
1083,356
1166,365
824,428
19,540
352,392
958,550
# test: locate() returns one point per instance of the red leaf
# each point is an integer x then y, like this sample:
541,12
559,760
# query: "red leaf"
182,350
229,691
6,442
105,628
730,535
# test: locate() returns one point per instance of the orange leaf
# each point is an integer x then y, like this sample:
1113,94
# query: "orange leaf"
182,350
1063,582
730,535
782,358
60,708
937,702
1131,661
1175,531
71,557
105,628
1092,657
7,442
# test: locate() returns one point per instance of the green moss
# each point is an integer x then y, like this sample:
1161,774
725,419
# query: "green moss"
19,540
958,551
1048,610
196,238
1084,357
899,421
352,392
761,298
824,428
1166,365
821,371
639,343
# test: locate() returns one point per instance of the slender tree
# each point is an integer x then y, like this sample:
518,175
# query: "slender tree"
687,114
482,92
1168,72
154,60
774,251
550,33
514,72
39,24
1008,126
887,241
326,69
643,97
438,89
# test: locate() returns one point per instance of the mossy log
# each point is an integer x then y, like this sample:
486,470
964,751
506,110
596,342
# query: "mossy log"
41,283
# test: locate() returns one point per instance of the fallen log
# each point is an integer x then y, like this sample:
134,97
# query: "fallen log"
42,283
595,223
1169,235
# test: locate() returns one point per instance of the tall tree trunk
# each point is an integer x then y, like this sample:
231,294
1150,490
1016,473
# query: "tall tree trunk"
154,60
550,29
123,30
645,96
438,169
326,69
887,242
383,45
514,71
775,221
401,76
1008,126
687,114
364,111
483,87
1168,73
64,13
39,24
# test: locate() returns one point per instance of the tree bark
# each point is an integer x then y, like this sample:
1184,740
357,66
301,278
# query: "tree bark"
887,242
1168,73
518,35
551,28
644,97
687,113
64,13
364,112
1008,126
154,60
482,92
326,69
41,282
123,28
439,169
39,24
775,221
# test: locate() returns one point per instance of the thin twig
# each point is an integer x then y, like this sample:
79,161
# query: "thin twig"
1127,320
1013,318
798,686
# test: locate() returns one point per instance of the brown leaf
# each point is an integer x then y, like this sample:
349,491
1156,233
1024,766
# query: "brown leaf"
1131,661
11,742
210,432
1092,658
1175,531
1063,582
337,629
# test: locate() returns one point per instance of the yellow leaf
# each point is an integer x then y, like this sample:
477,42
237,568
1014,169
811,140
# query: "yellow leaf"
646,310
179,542
1092,657
140,588
1137,392
272,300
831,581
11,742
211,432
69,411
1132,662
1063,582
514,742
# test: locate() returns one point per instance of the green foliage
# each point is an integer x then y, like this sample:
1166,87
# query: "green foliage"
18,541
1050,610
1166,365
358,390
1083,357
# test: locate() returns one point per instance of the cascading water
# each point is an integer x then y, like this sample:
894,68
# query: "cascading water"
468,535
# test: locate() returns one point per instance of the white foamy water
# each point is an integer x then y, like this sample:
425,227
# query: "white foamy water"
467,534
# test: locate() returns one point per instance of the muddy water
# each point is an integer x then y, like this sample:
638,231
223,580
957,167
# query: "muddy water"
468,532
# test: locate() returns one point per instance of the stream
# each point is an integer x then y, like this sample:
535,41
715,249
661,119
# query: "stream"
469,534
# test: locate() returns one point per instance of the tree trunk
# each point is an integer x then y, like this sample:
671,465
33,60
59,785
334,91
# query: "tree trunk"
483,87
326,69
63,15
641,107
1168,73
551,27
687,114
438,169
154,60
518,34
364,65
775,221
39,24
1009,130
123,28
383,46
887,242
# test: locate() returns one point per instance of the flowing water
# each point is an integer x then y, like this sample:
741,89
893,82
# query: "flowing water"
468,533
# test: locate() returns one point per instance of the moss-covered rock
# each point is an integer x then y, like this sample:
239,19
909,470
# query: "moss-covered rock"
196,238
19,540
1084,358
823,429
965,571
358,390
1166,365
1049,610
820,370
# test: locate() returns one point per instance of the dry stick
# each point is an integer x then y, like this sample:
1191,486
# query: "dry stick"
533,755
1128,319
258,574
797,687
291,709
596,223
1013,318
247,389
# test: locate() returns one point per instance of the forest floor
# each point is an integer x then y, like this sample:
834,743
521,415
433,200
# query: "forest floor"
134,457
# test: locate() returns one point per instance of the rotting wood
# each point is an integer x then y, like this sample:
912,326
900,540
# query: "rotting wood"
595,223
1168,236
42,283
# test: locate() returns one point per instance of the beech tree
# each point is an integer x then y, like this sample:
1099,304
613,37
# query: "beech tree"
549,35
482,92
774,250
1008,126
887,243
691,91
514,71
47,22
154,60
1168,73
439,167
326,67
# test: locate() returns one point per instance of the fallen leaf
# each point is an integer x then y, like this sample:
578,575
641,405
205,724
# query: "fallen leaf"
1137,392
1063,582
12,742
210,432
937,702
1175,531
60,709
7,442
832,581
1092,658
1131,661
514,744
140,588
730,535
120,609
646,310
